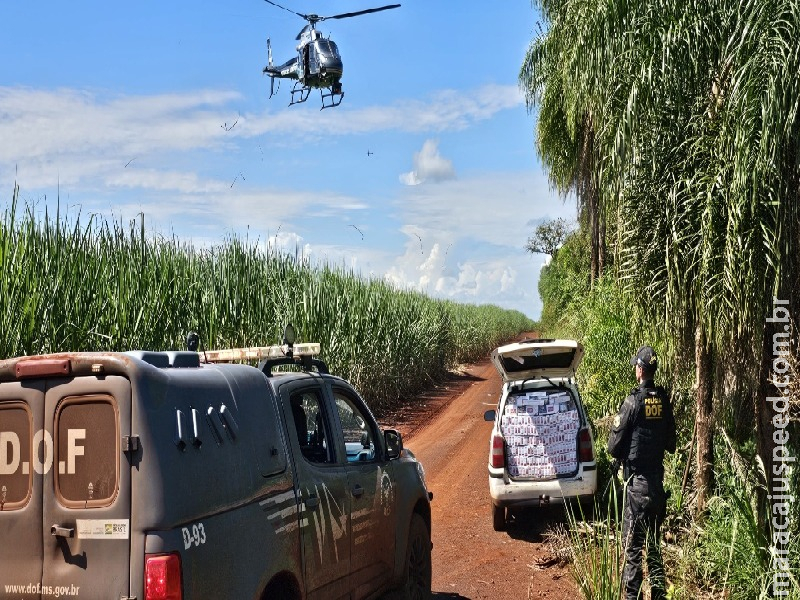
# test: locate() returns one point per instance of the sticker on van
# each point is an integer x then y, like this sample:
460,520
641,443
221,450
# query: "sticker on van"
103,529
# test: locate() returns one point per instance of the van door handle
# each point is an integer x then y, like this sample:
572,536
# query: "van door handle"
59,531
312,502
358,491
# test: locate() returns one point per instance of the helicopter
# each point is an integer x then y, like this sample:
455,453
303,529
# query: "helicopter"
318,63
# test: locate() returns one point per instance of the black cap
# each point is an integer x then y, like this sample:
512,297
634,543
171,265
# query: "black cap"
646,358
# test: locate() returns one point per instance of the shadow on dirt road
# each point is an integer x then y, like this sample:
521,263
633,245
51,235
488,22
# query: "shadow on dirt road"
529,525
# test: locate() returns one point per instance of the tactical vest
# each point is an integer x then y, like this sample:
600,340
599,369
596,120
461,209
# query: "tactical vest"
649,434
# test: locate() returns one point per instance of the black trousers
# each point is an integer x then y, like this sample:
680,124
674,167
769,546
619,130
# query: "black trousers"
645,508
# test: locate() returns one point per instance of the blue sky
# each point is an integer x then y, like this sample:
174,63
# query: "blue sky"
162,108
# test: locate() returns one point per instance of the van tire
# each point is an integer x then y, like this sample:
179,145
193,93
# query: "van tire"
498,517
417,567
283,586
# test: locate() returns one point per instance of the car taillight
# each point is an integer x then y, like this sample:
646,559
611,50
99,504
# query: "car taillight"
497,457
162,577
585,451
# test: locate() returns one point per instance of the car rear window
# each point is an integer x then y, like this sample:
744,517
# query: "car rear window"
86,451
538,360
15,455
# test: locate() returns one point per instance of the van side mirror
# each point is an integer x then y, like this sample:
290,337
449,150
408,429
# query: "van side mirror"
394,443
490,415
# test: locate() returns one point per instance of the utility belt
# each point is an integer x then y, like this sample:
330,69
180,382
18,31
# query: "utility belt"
629,470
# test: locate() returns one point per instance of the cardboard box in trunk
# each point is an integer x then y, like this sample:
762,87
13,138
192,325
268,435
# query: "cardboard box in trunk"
541,433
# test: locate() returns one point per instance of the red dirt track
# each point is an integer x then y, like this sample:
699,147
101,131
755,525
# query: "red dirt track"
448,435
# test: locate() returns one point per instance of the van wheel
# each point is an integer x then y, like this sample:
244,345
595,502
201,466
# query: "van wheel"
498,517
283,587
417,576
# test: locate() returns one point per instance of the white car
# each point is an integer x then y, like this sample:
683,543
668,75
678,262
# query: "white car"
541,448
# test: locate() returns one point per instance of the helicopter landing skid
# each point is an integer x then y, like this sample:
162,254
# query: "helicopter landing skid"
334,94
299,91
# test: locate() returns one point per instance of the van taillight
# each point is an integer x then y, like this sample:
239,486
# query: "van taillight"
162,577
498,452
585,451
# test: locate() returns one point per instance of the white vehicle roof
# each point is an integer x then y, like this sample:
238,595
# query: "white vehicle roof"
538,358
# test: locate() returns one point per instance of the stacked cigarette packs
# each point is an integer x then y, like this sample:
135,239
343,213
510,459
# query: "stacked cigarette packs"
541,430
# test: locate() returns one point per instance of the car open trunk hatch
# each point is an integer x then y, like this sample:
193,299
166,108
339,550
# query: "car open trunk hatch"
537,358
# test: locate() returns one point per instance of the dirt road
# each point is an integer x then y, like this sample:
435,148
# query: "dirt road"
470,559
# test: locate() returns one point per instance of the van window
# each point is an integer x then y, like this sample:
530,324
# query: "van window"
358,438
16,472
310,425
87,451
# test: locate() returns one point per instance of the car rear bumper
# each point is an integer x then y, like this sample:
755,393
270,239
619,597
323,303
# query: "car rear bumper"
506,492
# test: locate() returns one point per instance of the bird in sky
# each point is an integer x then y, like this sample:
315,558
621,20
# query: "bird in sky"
358,230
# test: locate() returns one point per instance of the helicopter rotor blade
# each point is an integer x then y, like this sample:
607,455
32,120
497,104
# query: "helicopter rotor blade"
360,12
287,9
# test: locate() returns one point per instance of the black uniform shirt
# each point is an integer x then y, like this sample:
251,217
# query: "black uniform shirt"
643,430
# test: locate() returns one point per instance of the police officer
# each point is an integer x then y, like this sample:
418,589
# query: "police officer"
643,430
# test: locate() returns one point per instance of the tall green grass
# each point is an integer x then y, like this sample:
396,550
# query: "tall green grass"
69,283
597,551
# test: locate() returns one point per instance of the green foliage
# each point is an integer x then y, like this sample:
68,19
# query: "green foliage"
563,281
99,286
600,317
687,115
605,375
731,552
597,553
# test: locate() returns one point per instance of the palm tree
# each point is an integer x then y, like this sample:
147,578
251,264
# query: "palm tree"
694,135
565,139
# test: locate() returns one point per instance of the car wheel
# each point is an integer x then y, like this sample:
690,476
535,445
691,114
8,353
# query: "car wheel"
498,517
417,577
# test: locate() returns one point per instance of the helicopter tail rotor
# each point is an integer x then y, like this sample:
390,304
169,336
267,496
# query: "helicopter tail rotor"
270,69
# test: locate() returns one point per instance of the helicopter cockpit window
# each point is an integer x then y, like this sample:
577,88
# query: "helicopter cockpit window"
328,48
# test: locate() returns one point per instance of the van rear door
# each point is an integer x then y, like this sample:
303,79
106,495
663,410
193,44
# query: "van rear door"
21,422
86,501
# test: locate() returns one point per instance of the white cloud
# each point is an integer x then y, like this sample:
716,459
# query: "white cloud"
447,110
429,165
492,208
466,238
76,137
